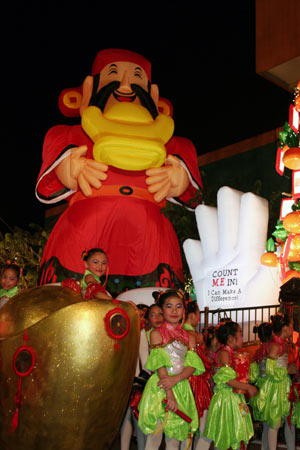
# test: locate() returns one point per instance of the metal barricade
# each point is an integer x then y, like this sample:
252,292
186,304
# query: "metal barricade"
245,317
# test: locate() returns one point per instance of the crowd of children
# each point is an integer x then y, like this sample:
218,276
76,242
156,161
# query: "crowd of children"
202,392
194,388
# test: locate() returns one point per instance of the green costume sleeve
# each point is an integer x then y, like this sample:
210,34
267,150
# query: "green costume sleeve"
253,372
274,372
158,358
224,375
193,360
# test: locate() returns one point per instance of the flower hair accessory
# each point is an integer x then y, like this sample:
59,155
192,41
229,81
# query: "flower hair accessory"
159,293
84,254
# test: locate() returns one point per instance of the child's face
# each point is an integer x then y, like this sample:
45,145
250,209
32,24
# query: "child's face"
9,279
195,318
155,317
173,310
237,340
97,264
287,330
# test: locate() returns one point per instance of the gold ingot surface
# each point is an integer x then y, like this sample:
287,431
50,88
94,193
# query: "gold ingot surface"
77,393
127,137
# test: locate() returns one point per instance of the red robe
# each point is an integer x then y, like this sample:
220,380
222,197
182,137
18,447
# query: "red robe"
140,242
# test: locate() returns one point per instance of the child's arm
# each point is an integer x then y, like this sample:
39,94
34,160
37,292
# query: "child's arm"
224,361
274,353
89,279
168,381
102,296
155,339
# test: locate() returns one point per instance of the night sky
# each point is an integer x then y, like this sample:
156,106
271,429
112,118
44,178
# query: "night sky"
203,59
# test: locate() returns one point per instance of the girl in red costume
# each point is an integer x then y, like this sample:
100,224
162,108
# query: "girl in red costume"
200,384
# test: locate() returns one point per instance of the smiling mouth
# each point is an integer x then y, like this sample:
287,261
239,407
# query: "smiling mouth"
120,97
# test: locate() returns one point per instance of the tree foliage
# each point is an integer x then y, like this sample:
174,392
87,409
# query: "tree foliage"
24,247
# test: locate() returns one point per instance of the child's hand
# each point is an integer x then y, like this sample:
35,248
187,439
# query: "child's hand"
167,382
171,402
252,391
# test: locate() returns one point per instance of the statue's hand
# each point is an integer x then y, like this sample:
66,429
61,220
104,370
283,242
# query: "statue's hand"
169,180
225,265
77,170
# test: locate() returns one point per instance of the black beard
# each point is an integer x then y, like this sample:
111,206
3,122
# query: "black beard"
99,99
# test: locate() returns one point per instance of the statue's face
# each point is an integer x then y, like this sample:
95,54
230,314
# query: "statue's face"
119,82
127,74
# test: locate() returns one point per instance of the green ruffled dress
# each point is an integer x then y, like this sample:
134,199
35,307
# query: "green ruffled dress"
83,283
272,403
229,420
255,378
9,292
151,408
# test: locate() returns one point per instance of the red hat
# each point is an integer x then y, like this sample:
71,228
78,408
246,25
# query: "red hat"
111,55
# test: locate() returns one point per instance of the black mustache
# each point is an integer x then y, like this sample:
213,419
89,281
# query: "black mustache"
100,98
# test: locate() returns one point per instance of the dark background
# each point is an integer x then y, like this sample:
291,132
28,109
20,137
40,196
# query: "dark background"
203,59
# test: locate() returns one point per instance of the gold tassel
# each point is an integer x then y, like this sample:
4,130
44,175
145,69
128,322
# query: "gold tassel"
189,442
162,425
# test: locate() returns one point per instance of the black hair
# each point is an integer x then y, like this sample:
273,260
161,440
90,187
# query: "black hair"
209,334
14,267
192,307
87,254
264,331
149,310
226,329
280,320
142,307
162,297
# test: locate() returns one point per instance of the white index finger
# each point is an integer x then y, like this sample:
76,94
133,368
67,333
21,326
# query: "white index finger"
228,218
207,222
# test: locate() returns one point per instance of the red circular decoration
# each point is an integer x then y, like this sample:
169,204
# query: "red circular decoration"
21,352
117,323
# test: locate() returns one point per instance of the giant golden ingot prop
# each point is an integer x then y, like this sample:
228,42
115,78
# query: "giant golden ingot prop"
127,137
59,358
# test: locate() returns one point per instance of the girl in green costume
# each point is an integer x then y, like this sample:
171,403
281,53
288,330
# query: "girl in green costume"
272,403
228,421
174,360
96,265
9,282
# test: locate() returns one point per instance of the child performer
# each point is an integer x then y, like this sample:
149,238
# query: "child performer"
9,282
174,360
154,318
200,384
228,421
272,403
95,261
257,373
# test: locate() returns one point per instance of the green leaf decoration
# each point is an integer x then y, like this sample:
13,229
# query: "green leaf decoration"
270,245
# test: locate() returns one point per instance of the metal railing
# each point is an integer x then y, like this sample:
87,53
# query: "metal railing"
245,317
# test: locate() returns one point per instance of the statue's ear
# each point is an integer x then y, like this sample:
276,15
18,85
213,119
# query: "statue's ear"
164,106
87,89
154,92
69,101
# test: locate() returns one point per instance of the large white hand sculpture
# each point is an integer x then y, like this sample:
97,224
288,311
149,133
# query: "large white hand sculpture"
225,265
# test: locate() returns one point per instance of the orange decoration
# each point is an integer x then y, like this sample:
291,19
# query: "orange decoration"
291,158
291,222
297,103
289,275
269,259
